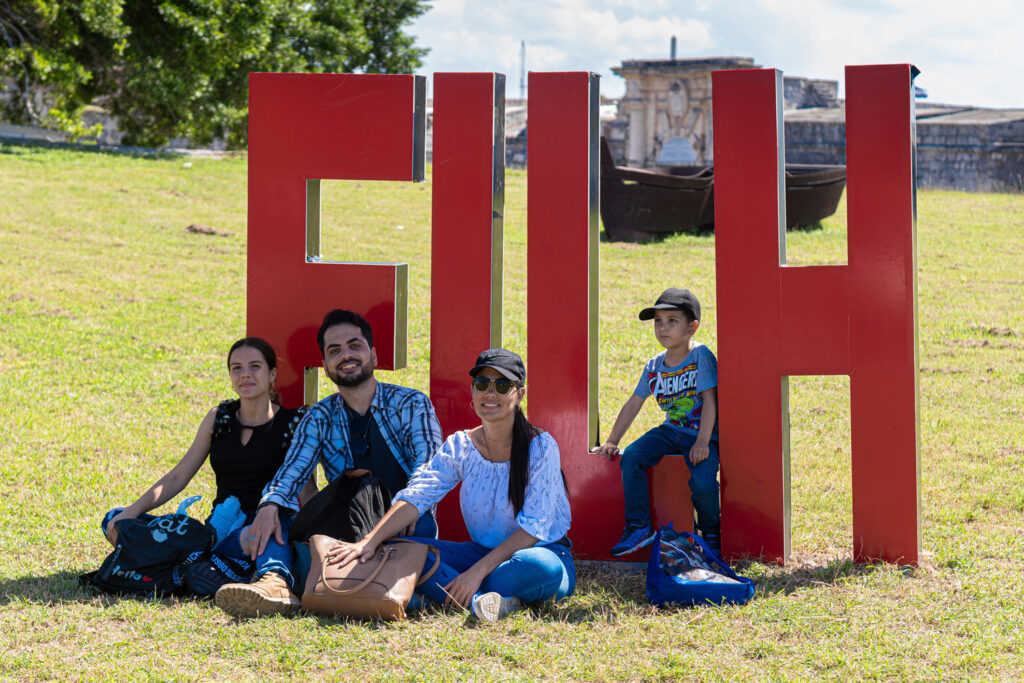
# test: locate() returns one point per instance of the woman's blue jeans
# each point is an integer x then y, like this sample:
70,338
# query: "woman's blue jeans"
276,558
544,572
646,452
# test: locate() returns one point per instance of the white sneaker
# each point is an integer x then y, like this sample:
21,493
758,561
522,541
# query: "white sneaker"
492,606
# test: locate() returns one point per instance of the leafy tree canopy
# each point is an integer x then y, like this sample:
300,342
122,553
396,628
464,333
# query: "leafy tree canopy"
178,68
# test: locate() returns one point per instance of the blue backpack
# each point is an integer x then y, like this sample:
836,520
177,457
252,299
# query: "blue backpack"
683,570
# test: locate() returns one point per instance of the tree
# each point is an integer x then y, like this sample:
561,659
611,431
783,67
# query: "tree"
178,68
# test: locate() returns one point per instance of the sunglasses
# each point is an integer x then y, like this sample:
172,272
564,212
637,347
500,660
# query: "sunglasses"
502,386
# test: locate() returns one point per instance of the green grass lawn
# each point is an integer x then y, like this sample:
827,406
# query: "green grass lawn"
114,322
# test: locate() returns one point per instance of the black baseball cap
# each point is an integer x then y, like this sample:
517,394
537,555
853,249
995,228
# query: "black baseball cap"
508,363
674,299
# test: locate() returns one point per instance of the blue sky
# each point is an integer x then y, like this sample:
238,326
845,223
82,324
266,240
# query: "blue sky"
968,52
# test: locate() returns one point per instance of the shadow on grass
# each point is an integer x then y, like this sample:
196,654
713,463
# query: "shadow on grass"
771,579
810,227
24,147
65,587
656,237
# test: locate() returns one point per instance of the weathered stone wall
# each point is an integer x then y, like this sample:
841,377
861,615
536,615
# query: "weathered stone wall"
957,148
803,93
815,142
973,156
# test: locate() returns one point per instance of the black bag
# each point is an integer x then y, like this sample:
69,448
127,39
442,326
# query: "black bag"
203,577
151,556
346,509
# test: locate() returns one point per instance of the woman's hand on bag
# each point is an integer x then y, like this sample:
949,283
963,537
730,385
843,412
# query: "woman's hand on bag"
112,525
461,589
343,553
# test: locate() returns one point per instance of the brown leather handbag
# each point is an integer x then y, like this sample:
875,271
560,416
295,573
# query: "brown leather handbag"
377,589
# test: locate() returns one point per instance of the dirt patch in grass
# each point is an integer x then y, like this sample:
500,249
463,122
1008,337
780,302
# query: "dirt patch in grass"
996,331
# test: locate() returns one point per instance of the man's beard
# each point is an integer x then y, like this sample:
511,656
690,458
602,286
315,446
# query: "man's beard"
365,373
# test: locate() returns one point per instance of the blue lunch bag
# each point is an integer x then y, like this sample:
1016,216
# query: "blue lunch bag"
683,570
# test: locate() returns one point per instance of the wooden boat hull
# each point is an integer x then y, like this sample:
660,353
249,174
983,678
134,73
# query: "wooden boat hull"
639,205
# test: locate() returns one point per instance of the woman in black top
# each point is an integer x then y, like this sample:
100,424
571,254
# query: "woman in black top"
246,440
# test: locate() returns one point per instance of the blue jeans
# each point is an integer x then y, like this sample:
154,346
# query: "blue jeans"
647,451
276,557
534,574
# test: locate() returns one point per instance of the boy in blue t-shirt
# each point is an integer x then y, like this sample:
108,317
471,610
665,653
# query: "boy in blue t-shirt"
684,381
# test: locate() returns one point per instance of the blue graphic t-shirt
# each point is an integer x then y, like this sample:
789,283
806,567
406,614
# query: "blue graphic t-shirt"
677,389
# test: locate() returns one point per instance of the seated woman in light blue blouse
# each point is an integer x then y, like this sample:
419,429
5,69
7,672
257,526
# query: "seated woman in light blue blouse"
513,500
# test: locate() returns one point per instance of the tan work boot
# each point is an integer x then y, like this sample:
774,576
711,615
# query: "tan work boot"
269,594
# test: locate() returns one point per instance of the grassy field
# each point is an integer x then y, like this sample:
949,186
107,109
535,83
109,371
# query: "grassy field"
114,321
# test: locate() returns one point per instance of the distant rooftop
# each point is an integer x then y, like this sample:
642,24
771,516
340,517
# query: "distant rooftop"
687,64
930,113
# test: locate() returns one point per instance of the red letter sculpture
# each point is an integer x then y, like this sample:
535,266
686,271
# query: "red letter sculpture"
302,128
776,320
562,277
467,229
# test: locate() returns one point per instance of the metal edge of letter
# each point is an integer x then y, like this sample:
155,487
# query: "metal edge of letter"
312,219
914,72
401,315
419,129
311,376
780,135
787,496
593,259
310,385
498,212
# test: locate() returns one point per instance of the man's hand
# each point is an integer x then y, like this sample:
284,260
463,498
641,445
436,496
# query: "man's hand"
461,589
699,452
608,451
263,527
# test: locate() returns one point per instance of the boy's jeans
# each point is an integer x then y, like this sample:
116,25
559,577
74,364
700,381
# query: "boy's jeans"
648,451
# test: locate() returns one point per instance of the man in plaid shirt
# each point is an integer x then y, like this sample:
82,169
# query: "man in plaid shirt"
387,429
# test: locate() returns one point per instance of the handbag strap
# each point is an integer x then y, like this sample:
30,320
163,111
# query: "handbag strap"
437,563
385,554
430,549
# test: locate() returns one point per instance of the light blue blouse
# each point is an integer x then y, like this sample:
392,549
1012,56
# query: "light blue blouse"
484,495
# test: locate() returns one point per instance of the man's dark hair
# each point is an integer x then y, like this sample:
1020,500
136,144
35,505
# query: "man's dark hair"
339,316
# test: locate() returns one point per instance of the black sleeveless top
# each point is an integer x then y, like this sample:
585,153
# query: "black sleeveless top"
243,470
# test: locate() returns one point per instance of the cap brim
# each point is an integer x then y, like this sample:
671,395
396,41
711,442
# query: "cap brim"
504,373
648,313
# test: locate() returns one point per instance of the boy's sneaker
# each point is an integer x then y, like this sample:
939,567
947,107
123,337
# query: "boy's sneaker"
492,606
269,594
632,540
714,541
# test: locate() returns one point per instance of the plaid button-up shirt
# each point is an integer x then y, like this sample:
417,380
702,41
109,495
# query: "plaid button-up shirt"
406,420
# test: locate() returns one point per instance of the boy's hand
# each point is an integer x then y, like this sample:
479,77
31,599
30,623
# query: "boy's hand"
699,452
608,451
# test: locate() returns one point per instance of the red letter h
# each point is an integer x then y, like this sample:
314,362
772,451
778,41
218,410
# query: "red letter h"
776,320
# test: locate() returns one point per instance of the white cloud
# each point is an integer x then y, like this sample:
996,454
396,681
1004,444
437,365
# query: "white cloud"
968,53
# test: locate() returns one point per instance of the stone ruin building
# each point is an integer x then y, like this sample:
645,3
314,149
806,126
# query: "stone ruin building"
664,118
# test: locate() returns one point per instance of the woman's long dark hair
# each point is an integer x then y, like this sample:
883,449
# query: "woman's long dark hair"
523,432
519,464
